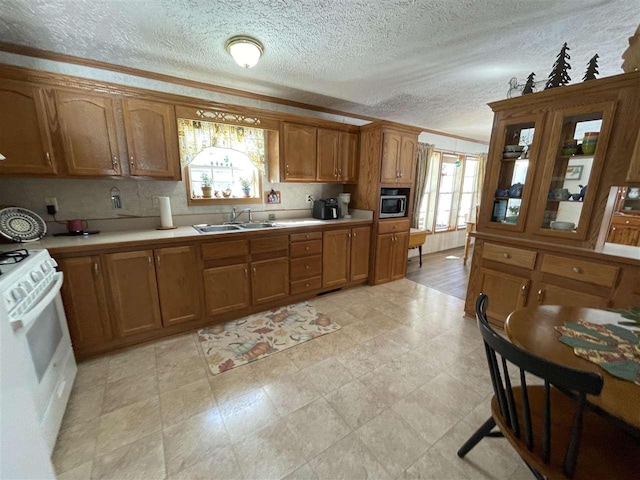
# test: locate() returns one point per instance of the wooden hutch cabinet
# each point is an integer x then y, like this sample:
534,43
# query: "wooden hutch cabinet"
553,158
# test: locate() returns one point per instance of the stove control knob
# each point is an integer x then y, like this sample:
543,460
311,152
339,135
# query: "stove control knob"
45,267
52,262
26,285
18,293
36,276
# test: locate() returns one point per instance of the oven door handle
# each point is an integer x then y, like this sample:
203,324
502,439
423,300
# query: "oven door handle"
39,307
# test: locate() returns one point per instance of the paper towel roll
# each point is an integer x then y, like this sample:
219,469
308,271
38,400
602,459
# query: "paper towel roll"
166,220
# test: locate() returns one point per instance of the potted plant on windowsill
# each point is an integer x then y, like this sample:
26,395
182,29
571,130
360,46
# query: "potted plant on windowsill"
206,185
246,187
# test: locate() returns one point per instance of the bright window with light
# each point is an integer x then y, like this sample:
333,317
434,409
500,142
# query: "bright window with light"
450,195
221,161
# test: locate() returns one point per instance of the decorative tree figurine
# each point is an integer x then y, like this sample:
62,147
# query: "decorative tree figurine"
529,86
592,69
559,75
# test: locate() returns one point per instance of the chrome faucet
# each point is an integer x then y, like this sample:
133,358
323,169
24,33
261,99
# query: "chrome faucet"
235,215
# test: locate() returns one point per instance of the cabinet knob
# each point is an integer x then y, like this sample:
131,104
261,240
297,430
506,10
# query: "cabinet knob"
47,155
246,273
306,248
523,290
96,269
131,162
506,255
400,173
307,267
307,236
540,295
306,284
354,234
349,235
576,270
286,169
627,221
158,259
149,261
254,271
114,161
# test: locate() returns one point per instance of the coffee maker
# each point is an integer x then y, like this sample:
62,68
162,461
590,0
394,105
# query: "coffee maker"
325,209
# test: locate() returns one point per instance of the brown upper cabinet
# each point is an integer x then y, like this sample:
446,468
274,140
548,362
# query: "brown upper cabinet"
88,130
311,154
152,139
25,141
398,158
299,149
328,155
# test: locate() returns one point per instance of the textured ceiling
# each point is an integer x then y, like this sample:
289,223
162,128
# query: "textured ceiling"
429,63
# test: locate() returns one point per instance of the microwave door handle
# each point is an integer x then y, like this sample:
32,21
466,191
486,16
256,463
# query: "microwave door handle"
43,303
403,206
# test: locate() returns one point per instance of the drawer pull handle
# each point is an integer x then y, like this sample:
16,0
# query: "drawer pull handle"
307,236
306,284
307,267
306,248
246,273
254,271
131,161
523,291
506,255
577,270
540,295
96,269
48,157
354,234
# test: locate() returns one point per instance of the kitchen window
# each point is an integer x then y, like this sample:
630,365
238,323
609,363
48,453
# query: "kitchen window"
450,195
221,162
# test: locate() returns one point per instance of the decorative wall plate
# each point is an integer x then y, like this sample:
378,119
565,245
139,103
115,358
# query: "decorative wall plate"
21,225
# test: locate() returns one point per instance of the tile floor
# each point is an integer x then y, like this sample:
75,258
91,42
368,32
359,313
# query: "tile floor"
393,394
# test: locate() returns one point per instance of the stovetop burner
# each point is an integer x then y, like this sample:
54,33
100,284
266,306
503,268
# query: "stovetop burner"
13,256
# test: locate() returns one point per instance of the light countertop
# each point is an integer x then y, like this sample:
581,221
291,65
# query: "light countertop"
104,239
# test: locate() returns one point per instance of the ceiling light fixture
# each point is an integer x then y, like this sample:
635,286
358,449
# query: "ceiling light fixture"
246,51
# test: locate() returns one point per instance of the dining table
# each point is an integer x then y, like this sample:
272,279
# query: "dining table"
533,329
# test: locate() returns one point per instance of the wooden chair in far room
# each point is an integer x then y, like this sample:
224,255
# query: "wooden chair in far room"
549,425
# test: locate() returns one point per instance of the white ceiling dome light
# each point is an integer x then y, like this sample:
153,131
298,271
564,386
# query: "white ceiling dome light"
246,51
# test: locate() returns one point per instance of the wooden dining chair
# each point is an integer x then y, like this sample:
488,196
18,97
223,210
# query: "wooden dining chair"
550,425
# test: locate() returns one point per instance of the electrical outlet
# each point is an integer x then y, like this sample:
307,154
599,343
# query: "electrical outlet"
52,204
309,199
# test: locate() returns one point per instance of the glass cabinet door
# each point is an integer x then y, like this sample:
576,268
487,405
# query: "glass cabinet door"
513,157
576,153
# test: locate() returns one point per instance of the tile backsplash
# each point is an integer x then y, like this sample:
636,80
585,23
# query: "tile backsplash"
91,199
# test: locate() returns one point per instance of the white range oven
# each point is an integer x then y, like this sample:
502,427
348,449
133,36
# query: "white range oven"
32,307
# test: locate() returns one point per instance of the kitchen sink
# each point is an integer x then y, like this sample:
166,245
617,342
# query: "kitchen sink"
234,227
252,226
216,228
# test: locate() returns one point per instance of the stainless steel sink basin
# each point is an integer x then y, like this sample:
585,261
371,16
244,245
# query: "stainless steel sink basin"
252,226
216,228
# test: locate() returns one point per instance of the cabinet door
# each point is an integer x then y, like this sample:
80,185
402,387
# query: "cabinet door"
407,164
348,158
384,257
506,293
391,144
270,280
399,255
336,257
85,301
624,235
328,151
25,141
179,285
151,139
633,175
299,147
360,245
134,292
88,129
547,294
226,289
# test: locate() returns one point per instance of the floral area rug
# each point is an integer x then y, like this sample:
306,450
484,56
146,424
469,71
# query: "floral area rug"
251,338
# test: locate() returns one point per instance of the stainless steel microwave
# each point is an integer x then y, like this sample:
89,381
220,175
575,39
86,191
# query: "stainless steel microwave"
393,206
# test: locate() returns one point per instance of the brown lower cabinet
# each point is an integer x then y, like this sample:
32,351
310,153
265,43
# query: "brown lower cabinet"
179,285
345,256
391,257
269,280
85,300
227,289
134,292
506,293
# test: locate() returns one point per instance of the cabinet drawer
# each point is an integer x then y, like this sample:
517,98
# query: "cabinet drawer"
626,221
218,250
301,237
595,273
393,226
305,249
307,285
306,267
509,255
269,244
